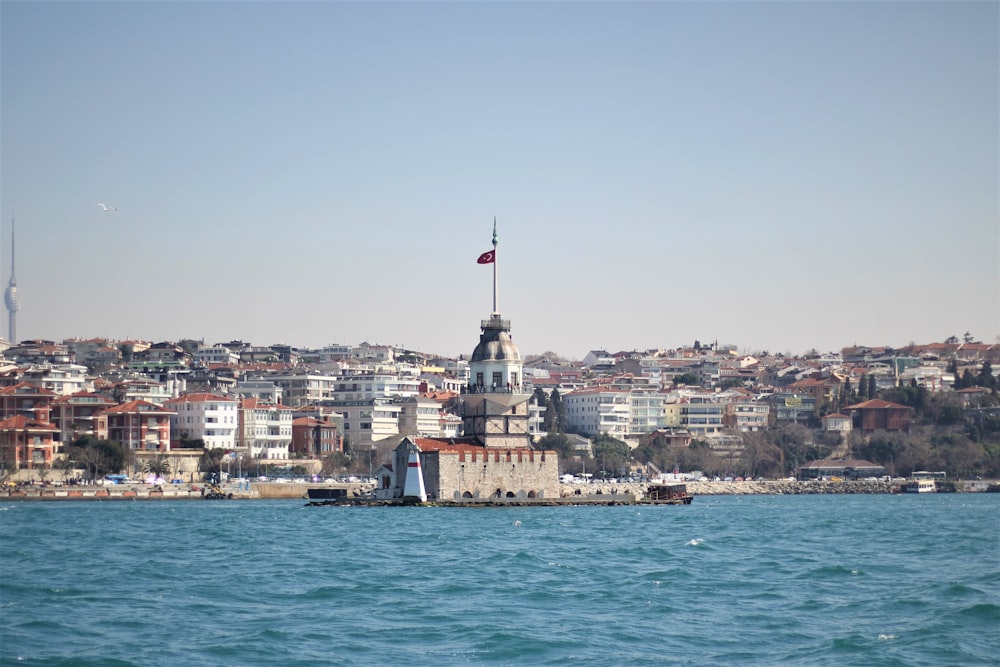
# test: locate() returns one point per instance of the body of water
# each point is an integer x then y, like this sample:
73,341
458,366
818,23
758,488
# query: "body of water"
753,580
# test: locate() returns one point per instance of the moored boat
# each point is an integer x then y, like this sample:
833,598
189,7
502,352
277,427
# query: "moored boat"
668,493
920,486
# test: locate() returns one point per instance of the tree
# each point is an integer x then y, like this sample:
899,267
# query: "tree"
761,456
686,378
99,457
986,378
558,442
158,467
554,420
847,395
951,340
610,453
872,387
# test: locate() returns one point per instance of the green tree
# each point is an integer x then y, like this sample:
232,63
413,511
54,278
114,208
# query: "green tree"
872,387
689,379
558,442
99,457
986,378
159,467
554,420
610,453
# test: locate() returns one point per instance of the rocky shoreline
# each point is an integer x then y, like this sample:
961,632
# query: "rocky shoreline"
770,487
590,493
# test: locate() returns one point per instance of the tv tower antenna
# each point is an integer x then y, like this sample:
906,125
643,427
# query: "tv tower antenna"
11,298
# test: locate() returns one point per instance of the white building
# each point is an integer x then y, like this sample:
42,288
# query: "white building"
217,354
63,379
263,390
213,419
421,417
593,411
265,429
703,415
363,386
301,388
367,421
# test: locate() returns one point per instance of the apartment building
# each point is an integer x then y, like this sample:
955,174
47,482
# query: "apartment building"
703,415
216,354
265,429
367,421
594,411
211,418
74,415
138,425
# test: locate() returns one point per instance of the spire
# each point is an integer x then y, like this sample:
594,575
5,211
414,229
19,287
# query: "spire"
496,304
11,297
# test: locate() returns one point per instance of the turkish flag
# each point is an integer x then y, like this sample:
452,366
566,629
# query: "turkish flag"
487,257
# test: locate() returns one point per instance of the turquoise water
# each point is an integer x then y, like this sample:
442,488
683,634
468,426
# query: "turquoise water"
765,580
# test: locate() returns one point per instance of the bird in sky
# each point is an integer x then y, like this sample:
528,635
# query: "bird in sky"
105,207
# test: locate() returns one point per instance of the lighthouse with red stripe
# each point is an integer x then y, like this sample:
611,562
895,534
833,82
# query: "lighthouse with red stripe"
413,487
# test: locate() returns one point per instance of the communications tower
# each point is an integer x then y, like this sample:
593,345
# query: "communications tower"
10,297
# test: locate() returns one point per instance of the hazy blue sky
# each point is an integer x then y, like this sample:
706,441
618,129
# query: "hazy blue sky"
779,176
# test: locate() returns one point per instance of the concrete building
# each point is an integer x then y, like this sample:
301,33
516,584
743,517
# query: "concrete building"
138,425
314,438
208,417
597,410
265,429
25,443
74,415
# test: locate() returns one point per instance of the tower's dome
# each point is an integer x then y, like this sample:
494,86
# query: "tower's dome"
495,343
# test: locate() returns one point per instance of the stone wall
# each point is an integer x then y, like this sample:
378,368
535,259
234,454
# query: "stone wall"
522,472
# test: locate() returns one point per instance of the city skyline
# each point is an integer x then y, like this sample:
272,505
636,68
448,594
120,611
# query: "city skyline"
779,176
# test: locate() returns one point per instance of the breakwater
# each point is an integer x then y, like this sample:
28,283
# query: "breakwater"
770,487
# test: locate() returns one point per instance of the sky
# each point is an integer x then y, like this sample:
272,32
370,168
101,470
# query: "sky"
779,176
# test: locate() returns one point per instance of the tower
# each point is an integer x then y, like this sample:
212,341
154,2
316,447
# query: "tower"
11,298
495,410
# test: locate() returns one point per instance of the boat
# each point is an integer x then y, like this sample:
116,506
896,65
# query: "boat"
920,486
668,493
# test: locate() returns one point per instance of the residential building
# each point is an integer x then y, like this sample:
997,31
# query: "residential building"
63,379
314,438
138,425
879,415
25,443
703,415
265,429
74,415
208,417
27,400
216,354
366,422
594,411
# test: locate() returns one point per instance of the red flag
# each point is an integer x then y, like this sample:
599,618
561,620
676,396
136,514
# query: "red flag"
487,257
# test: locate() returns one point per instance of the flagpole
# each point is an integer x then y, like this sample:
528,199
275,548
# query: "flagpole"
496,309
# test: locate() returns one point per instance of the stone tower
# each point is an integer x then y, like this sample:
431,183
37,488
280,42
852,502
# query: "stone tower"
495,409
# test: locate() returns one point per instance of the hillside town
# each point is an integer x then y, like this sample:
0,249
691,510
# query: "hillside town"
183,410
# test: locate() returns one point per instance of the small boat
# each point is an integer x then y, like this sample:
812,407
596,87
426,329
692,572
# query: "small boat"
920,486
668,493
